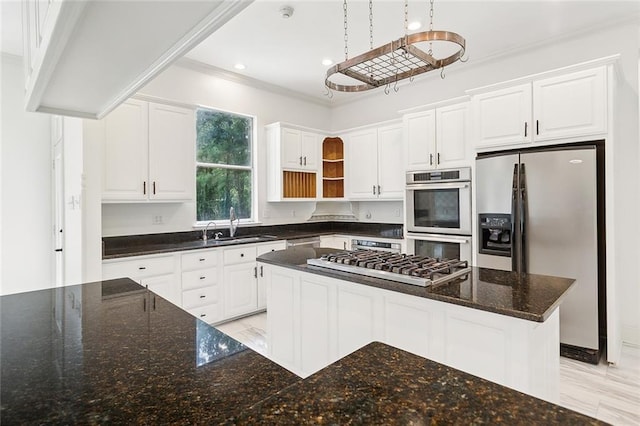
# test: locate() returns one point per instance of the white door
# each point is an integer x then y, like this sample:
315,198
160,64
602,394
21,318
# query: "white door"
362,165
421,140
171,152
391,177
240,289
309,149
125,153
290,140
570,105
162,285
452,134
503,117
58,211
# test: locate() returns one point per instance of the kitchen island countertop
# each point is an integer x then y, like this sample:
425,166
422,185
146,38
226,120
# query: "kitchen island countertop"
114,352
527,296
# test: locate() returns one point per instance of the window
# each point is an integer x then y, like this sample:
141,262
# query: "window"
224,165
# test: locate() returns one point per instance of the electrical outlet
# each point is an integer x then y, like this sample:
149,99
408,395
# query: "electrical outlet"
158,220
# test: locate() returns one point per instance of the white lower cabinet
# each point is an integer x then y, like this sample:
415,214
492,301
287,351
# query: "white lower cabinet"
158,272
201,285
243,289
315,320
335,241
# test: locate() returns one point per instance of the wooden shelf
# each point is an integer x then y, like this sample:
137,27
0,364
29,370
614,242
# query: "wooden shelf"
298,184
332,168
332,149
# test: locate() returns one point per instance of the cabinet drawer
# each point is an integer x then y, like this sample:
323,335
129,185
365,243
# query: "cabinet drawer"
138,268
266,248
208,313
240,255
200,297
200,259
199,278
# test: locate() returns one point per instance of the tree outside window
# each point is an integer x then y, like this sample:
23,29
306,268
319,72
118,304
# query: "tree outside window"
224,165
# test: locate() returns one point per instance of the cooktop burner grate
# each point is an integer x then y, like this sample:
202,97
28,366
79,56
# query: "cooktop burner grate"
410,269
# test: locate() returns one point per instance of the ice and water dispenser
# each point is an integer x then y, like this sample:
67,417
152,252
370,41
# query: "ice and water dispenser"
495,234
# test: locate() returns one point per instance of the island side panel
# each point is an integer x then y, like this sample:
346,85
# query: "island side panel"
344,316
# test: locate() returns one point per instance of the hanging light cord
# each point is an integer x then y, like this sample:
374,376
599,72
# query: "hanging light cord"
346,37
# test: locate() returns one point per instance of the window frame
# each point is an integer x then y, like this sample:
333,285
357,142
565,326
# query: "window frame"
252,167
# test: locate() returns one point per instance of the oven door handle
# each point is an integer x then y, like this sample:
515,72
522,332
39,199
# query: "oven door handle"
442,185
438,238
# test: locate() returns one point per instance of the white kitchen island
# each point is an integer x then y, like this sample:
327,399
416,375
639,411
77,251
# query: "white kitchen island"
493,324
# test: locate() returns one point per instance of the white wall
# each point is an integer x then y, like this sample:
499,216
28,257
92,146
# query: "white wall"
26,236
195,87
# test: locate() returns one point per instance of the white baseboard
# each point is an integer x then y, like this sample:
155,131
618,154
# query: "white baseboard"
631,335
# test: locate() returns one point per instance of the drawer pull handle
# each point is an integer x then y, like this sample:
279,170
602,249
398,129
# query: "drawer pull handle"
202,278
142,268
202,296
203,315
202,259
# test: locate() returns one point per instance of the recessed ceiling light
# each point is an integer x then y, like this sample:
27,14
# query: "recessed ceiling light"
327,62
414,25
239,66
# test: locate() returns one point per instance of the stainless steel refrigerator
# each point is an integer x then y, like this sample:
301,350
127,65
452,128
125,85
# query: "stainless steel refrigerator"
538,213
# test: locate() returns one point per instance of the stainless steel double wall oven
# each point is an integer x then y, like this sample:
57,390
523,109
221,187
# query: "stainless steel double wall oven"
438,213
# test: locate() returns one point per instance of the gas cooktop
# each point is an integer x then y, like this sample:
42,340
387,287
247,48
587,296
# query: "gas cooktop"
409,269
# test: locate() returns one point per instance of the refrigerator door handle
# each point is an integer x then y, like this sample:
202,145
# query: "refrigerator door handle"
514,218
523,220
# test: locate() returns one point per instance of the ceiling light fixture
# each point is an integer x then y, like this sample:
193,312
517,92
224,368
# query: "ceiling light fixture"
239,66
286,12
394,61
414,25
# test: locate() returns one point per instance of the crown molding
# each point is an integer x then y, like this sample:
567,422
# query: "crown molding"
247,81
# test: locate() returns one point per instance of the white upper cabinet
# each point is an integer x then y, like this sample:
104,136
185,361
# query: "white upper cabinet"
293,154
503,117
570,105
125,170
171,152
438,138
560,107
299,149
59,36
374,164
148,152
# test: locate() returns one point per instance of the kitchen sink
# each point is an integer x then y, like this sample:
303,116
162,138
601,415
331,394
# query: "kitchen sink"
223,241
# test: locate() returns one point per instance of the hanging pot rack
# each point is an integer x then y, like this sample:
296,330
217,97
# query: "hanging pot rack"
394,61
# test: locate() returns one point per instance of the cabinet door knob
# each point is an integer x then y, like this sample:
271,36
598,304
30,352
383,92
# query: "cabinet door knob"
241,254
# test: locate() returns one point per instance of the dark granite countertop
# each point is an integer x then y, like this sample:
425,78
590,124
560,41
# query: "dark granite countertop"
138,245
112,352
527,296
380,384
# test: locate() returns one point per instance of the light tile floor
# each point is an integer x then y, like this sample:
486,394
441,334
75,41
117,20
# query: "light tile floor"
608,393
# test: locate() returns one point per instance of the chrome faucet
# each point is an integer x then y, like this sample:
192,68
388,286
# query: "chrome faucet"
206,228
232,218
